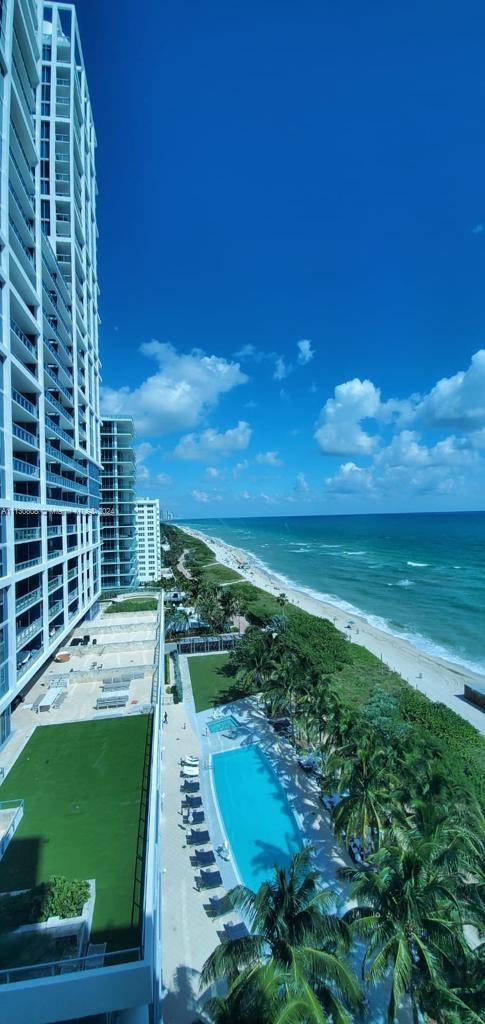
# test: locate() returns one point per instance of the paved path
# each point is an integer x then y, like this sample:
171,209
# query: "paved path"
188,934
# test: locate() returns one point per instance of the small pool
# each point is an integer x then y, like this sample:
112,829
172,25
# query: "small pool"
221,724
258,821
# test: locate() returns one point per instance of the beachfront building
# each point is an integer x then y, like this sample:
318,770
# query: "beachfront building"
148,539
118,521
49,366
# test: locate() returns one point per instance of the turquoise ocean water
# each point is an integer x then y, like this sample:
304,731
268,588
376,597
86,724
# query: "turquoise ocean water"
421,577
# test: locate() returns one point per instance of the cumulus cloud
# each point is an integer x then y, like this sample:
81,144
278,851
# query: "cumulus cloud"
305,352
301,482
183,388
269,459
211,443
458,401
240,467
212,472
281,370
201,496
339,431
350,479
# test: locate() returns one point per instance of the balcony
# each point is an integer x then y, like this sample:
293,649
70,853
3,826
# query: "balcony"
59,456
28,632
55,353
30,656
60,408
72,573
27,600
64,481
27,193
28,533
55,608
51,372
23,468
20,566
54,531
24,436
55,583
24,403
24,253
29,346
58,431
27,224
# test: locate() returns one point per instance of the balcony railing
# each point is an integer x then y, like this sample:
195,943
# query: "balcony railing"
20,566
27,222
25,467
28,632
21,669
28,252
58,430
24,402
54,609
63,481
58,405
24,435
28,533
28,193
27,600
54,531
54,583
54,377
23,337
56,355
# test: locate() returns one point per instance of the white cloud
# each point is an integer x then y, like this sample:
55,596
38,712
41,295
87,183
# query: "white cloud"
201,496
339,430
459,401
184,386
350,479
305,352
269,459
212,472
240,467
281,370
301,482
211,443
163,479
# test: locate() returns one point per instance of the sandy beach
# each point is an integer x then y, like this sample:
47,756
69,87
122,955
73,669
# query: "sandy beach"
440,680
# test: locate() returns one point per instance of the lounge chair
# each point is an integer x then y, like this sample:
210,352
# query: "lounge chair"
198,836
204,857
235,930
189,772
189,759
217,906
195,818
189,786
192,801
208,879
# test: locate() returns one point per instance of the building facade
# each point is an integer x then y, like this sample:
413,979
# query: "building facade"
148,539
49,363
118,520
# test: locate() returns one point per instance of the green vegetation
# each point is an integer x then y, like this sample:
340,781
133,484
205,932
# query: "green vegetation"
84,787
416,884
60,897
136,604
218,573
211,683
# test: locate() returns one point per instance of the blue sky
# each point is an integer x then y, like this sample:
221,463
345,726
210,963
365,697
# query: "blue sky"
292,250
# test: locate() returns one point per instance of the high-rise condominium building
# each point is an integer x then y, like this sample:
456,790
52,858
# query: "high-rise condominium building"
148,539
118,521
49,366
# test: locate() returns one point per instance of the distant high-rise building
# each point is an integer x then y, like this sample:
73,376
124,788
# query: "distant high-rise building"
118,520
49,364
148,539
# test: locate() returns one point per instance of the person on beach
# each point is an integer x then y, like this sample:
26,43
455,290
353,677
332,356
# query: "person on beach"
165,718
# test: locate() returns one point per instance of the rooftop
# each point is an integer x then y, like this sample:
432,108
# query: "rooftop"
84,790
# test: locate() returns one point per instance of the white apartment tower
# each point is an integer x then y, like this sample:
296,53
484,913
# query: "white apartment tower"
148,539
49,365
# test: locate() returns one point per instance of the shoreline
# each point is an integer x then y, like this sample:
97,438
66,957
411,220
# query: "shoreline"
438,679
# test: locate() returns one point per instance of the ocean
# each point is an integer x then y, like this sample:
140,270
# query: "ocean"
421,577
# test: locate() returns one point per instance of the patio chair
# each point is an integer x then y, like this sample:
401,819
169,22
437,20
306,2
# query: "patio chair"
194,818
203,857
198,836
217,906
235,930
208,879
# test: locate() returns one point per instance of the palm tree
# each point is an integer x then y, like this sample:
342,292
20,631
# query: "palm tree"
293,930
282,600
252,659
366,784
409,915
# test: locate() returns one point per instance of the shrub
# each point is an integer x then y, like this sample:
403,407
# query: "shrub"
64,897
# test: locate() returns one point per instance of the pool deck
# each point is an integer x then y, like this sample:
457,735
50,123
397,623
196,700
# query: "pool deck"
189,935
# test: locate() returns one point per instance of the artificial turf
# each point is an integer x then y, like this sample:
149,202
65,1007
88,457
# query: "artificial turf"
85,788
211,685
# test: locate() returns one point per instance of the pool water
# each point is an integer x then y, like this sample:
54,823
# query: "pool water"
221,724
258,821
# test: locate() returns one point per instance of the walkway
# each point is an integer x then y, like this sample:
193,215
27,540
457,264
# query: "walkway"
189,935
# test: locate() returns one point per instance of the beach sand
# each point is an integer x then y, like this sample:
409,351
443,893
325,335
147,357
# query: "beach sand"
440,680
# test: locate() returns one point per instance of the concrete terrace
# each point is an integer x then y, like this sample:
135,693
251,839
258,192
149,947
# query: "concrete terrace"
124,644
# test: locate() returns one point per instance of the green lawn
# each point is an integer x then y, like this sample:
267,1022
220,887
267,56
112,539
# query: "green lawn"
137,604
211,685
84,787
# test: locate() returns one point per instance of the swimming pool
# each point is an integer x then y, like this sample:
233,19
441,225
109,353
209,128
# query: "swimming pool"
258,821
220,724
